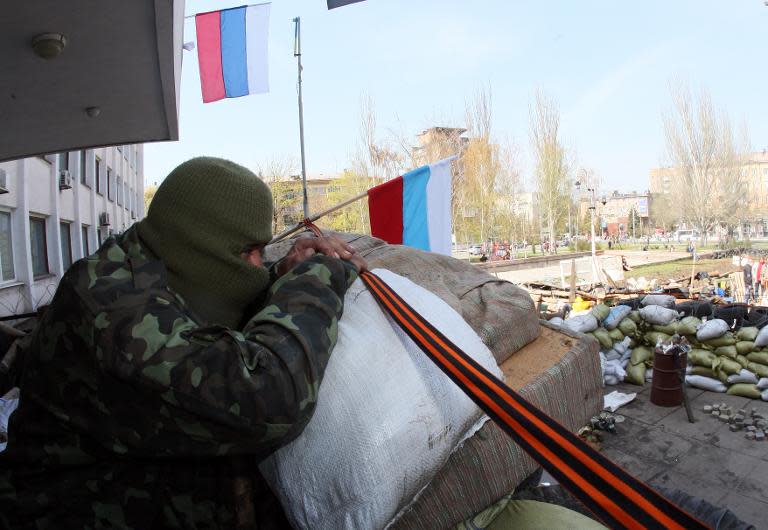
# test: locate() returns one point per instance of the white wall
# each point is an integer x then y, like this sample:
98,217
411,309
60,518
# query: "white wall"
33,185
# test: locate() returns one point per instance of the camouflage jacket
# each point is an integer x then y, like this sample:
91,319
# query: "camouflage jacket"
131,412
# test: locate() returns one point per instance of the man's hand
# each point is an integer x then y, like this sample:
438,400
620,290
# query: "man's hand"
332,246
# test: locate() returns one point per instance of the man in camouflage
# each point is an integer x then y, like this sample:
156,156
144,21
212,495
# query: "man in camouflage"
171,362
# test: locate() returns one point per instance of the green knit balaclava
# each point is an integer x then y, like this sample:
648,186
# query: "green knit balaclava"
203,215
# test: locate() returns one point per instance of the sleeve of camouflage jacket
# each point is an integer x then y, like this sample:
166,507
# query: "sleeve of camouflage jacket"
214,391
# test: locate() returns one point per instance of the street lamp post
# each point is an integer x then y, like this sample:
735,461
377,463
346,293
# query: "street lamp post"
592,208
578,212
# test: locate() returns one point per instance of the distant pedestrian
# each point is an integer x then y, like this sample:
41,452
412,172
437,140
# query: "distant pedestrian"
747,271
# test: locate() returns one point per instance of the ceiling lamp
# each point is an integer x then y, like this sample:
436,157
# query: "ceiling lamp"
49,45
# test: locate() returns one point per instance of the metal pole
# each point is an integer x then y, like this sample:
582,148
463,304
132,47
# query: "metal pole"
578,205
595,273
297,54
298,226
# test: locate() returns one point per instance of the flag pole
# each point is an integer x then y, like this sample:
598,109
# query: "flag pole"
300,225
297,54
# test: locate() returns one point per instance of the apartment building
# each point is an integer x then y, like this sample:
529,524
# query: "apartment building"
754,175
56,209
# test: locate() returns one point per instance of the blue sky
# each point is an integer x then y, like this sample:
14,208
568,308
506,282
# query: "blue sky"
608,64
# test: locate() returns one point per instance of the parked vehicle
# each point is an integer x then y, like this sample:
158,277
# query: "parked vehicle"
475,250
686,235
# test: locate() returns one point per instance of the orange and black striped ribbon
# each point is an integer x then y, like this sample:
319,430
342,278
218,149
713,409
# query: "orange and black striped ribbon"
613,495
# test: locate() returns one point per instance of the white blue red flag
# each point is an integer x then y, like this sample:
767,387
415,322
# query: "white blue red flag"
232,49
414,209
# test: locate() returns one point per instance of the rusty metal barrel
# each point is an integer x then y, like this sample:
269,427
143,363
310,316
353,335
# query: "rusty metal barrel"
668,377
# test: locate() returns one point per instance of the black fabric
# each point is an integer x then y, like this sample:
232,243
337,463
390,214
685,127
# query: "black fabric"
695,308
758,318
731,313
634,303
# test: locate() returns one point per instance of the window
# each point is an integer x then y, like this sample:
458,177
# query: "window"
120,190
63,160
110,185
66,246
6,248
100,184
127,198
82,167
39,246
86,247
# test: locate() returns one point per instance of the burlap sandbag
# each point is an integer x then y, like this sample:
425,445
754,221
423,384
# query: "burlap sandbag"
502,314
744,390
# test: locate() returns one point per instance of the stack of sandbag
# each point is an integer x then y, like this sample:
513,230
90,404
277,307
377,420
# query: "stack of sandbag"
736,360
627,337
721,359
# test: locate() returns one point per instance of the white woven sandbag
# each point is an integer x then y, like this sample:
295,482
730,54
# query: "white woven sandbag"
705,383
663,300
617,314
762,384
623,346
764,395
656,314
625,362
611,380
556,321
712,329
7,406
762,338
615,369
744,376
386,420
582,323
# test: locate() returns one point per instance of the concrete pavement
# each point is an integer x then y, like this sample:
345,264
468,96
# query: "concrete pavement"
704,459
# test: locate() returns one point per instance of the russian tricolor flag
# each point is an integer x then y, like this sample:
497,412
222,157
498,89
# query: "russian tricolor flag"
414,209
232,48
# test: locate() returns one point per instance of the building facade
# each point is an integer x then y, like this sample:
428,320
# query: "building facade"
56,209
623,211
754,174
437,143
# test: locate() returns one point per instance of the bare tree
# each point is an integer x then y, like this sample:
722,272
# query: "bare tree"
551,167
281,176
702,147
382,159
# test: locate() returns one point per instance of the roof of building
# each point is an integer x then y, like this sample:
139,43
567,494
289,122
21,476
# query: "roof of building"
122,60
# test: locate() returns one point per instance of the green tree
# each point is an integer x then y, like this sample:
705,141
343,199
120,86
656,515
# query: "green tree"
280,175
149,194
354,217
